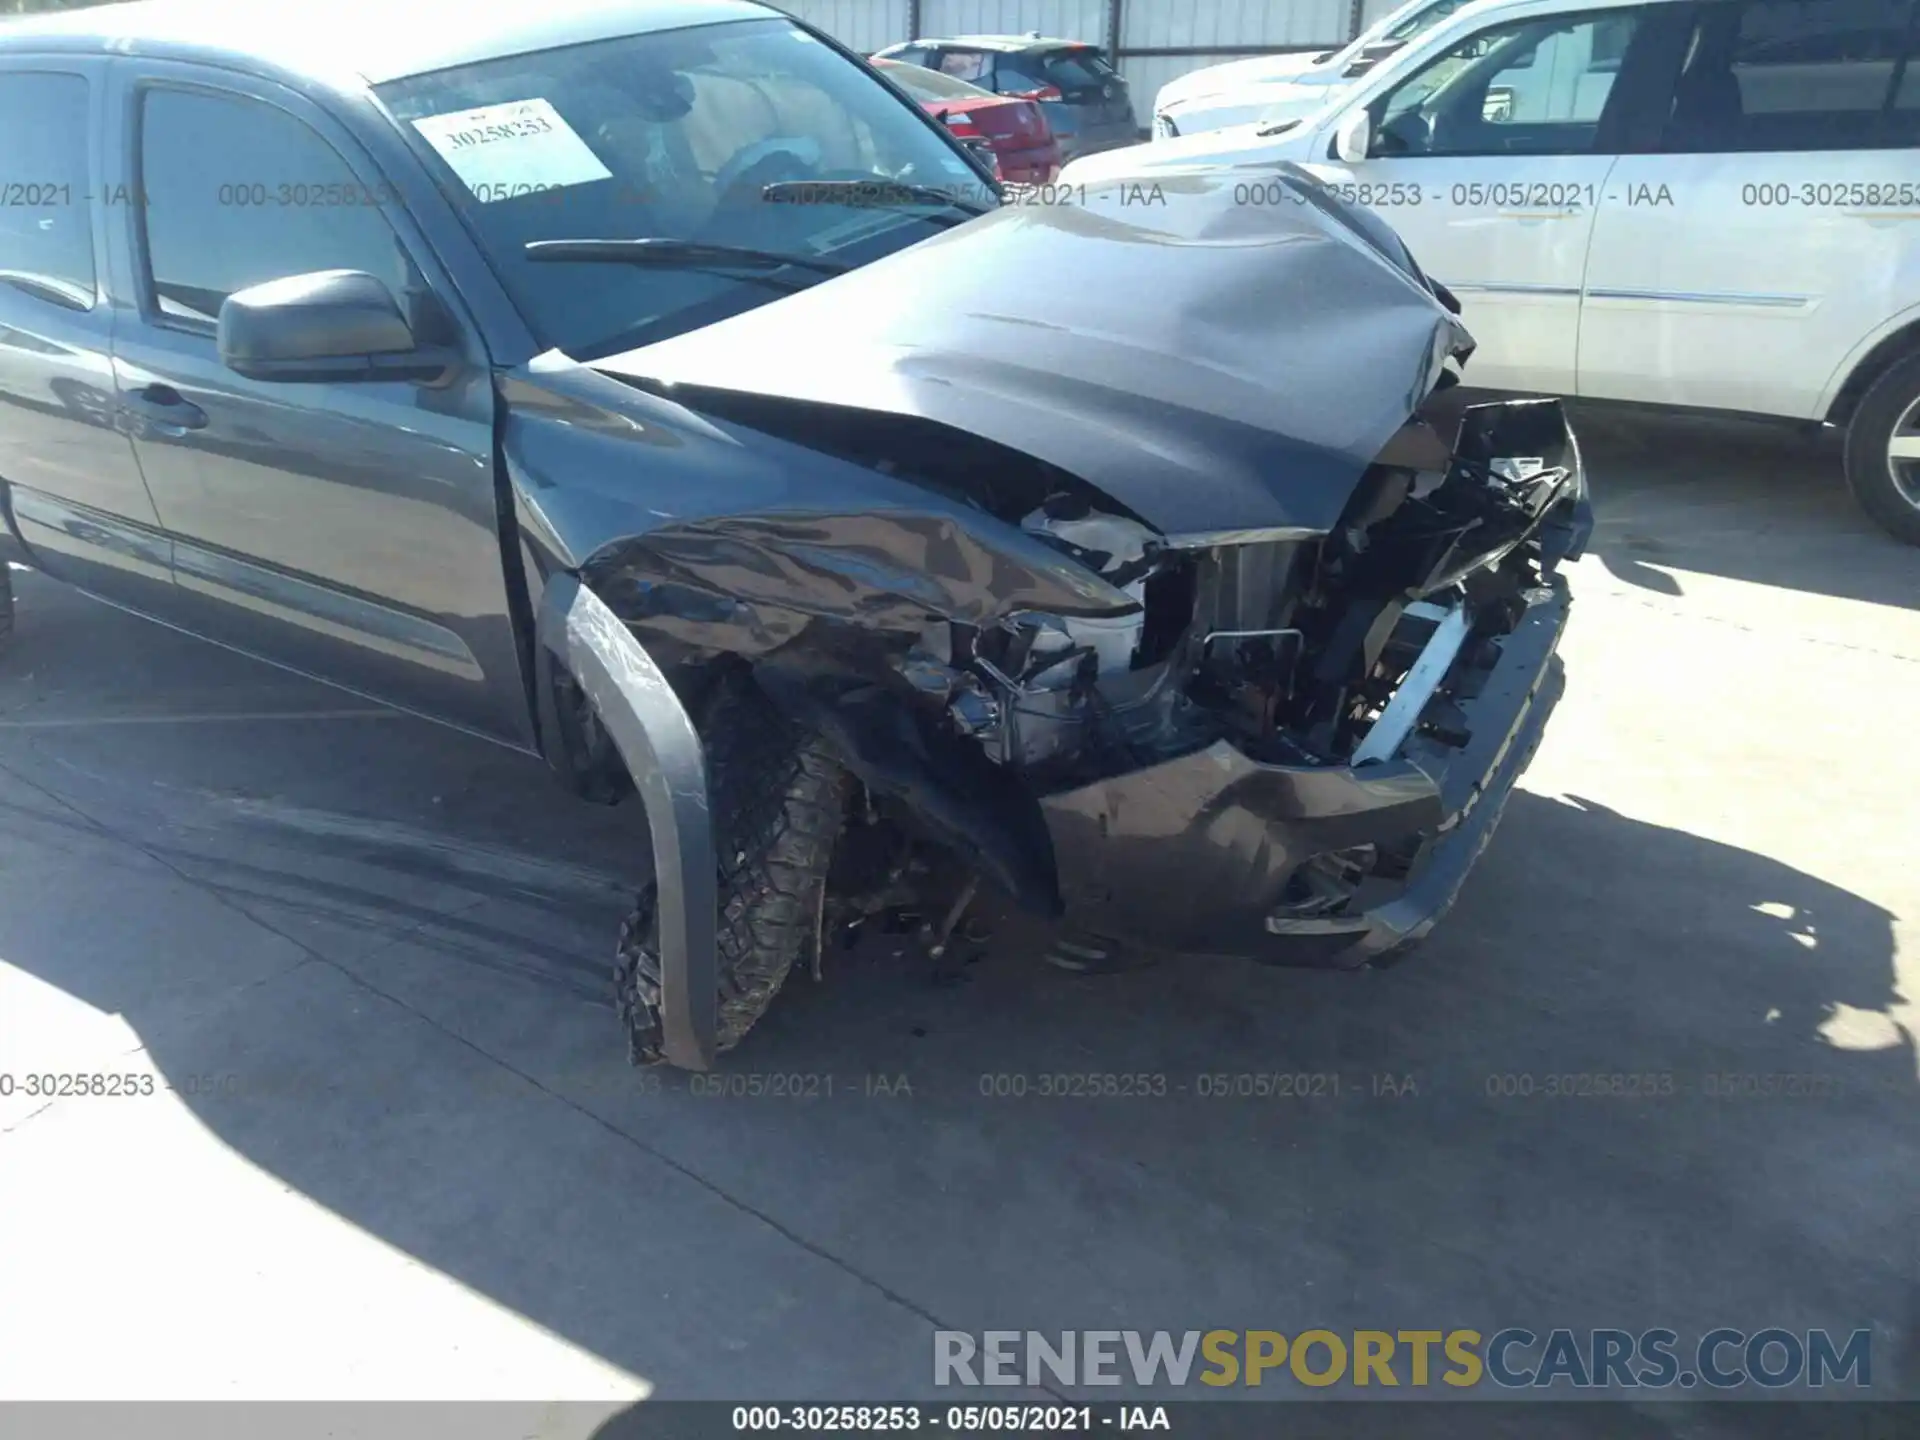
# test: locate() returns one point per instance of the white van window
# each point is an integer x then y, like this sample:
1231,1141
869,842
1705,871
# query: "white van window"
1529,87
1796,75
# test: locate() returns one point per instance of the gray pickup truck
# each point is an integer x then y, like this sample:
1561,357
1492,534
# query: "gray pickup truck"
654,389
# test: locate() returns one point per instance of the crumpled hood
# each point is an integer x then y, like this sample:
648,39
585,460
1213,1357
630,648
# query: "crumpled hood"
1214,359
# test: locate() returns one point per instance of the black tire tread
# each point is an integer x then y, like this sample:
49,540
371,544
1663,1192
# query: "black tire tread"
1866,452
778,799
6,602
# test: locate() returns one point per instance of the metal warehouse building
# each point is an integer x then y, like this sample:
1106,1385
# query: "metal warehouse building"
1150,41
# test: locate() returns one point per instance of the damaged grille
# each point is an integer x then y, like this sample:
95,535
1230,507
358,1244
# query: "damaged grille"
1330,650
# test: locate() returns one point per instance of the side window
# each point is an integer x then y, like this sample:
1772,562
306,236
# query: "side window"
1797,75
238,193
1610,45
971,65
1529,87
1019,75
46,236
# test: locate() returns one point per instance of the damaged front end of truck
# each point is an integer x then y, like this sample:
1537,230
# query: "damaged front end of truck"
1139,555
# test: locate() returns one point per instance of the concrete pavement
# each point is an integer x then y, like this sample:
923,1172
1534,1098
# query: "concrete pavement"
393,1148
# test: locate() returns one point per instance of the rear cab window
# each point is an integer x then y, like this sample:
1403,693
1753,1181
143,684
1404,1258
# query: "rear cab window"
46,229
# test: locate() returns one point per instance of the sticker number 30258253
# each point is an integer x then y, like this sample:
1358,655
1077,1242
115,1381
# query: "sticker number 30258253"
505,130
512,149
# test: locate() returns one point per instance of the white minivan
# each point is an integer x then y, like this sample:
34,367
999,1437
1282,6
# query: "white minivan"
1709,204
1244,90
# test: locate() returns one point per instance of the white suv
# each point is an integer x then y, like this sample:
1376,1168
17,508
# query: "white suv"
1700,205
1241,91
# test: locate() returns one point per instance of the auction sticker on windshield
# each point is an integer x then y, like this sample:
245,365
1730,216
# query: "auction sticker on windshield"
500,151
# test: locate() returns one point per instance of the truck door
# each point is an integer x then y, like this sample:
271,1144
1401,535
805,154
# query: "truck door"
347,530
72,484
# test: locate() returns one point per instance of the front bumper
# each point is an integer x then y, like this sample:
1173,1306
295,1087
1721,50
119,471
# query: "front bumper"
1200,854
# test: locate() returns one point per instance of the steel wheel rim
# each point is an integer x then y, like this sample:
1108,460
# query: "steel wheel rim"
1903,455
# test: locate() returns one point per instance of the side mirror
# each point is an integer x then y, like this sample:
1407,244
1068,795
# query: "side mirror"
1353,135
329,325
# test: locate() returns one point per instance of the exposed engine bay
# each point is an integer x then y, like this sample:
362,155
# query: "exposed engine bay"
1291,648
1220,624
1337,653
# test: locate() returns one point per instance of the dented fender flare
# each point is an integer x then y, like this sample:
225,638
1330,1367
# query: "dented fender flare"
657,739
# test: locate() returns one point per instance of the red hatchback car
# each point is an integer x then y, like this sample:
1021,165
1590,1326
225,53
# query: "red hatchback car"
1015,130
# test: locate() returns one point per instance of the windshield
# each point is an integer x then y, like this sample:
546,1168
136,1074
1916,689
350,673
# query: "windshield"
1424,20
1386,29
670,134
1384,43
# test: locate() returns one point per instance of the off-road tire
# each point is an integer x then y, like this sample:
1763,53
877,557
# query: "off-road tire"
1868,433
778,799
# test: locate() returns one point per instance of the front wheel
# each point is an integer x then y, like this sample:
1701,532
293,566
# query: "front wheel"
778,799
1883,451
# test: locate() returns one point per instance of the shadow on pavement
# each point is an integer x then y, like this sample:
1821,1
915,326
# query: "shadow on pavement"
1744,499
1637,1078
1603,1094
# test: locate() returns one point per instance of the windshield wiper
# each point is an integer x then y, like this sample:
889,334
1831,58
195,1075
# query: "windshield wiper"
872,194
1276,127
665,251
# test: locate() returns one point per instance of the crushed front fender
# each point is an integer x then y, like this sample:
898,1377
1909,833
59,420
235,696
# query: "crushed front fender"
662,751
